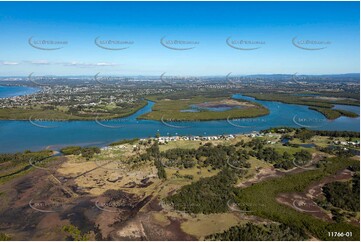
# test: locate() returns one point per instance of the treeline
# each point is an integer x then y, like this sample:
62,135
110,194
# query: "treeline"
25,156
306,134
337,150
221,156
344,195
267,232
310,133
152,153
208,195
86,152
285,161
125,141
206,155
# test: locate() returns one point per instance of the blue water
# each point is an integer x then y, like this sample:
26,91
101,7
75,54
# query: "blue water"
22,135
219,108
13,91
354,109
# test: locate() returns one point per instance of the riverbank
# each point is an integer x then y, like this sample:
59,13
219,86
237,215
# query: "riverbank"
21,135
323,105
19,114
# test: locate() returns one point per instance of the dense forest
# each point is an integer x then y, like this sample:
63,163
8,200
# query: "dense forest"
208,195
269,154
337,150
221,156
153,154
252,232
206,155
344,195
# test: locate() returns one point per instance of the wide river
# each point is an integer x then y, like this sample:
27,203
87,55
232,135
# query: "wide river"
36,135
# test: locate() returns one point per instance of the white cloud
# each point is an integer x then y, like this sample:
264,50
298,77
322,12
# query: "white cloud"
85,64
68,63
106,64
9,63
40,62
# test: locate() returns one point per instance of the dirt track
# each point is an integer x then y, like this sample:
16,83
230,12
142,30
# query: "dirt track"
304,202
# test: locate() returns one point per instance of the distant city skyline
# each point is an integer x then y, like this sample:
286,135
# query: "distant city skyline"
179,38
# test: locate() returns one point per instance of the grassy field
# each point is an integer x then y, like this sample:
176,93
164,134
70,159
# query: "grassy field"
195,144
255,165
292,150
203,225
184,144
262,197
170,110
322,141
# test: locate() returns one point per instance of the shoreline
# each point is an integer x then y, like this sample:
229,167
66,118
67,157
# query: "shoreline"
170,138
143,117
83,119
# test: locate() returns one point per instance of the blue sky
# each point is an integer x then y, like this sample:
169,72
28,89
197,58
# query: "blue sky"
273,24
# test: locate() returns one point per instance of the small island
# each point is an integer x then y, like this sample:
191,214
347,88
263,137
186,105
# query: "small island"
200,108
